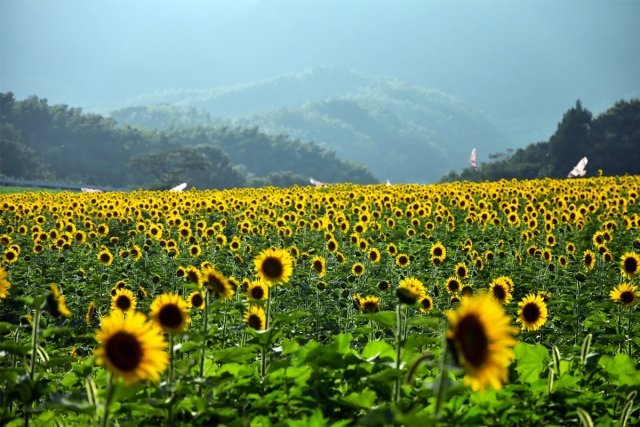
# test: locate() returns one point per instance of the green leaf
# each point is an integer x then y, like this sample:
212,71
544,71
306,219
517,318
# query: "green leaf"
531,361
14,349
282,319
384,318
52,330
362,400
423,321
378,350
342,343
234,355
621,368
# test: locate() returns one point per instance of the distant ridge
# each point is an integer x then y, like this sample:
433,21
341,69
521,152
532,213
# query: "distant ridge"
406,132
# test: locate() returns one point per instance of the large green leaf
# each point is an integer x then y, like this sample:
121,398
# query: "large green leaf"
530,361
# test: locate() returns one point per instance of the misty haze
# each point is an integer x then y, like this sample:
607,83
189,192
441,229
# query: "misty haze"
375,89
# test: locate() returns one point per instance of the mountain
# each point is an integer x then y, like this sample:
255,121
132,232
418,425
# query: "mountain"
400,131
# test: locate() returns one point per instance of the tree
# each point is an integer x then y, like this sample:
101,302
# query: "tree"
570,142
171,167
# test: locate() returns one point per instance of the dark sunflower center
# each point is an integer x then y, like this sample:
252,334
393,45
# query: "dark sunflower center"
426,304
467,291
272,268
630,265
257,292
454,286
357,269
373,256
531,312
194,251
215,285
462,272
123,303
105,257
437,261
317,266
437,252
193,277
403,260
255,322
10,256
197,300
588,260
170,316
124,351
499,293
369,307
473,340
331,246
627,297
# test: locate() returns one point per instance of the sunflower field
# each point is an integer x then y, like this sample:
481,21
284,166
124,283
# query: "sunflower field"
510,303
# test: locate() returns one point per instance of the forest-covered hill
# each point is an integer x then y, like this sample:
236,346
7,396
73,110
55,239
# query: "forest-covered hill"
400,131
610,141
56,142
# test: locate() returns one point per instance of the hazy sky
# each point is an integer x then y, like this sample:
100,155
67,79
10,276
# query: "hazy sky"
515,59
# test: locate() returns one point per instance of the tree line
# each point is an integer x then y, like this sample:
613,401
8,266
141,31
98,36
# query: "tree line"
39,141
610,141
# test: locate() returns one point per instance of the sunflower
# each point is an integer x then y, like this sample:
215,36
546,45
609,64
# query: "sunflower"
319,265
426,304
625,294
544,295
258,289
357,301
589,259
196,300
131,348
438,251
383,285
547,256
142,293
453,285
105,256
55,303
466,290
533,312
402,260
332,245
10,256
340,257
374,255
481,335
124,301
91,312
274,266
563,261
195,251
571,248
4,283
410,291
630,264
193,275
392,249
462,271
170,312
499,289
358,269
369,304
216,283
255,318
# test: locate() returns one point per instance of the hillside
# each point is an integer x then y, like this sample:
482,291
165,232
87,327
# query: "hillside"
400,131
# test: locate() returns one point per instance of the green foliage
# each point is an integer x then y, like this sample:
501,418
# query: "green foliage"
43,142
610,142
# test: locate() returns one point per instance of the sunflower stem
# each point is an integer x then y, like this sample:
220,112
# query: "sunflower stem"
398,348
263,362
34,344
630,333
371,334
205,322
107,403
224,323
170,379
441,391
